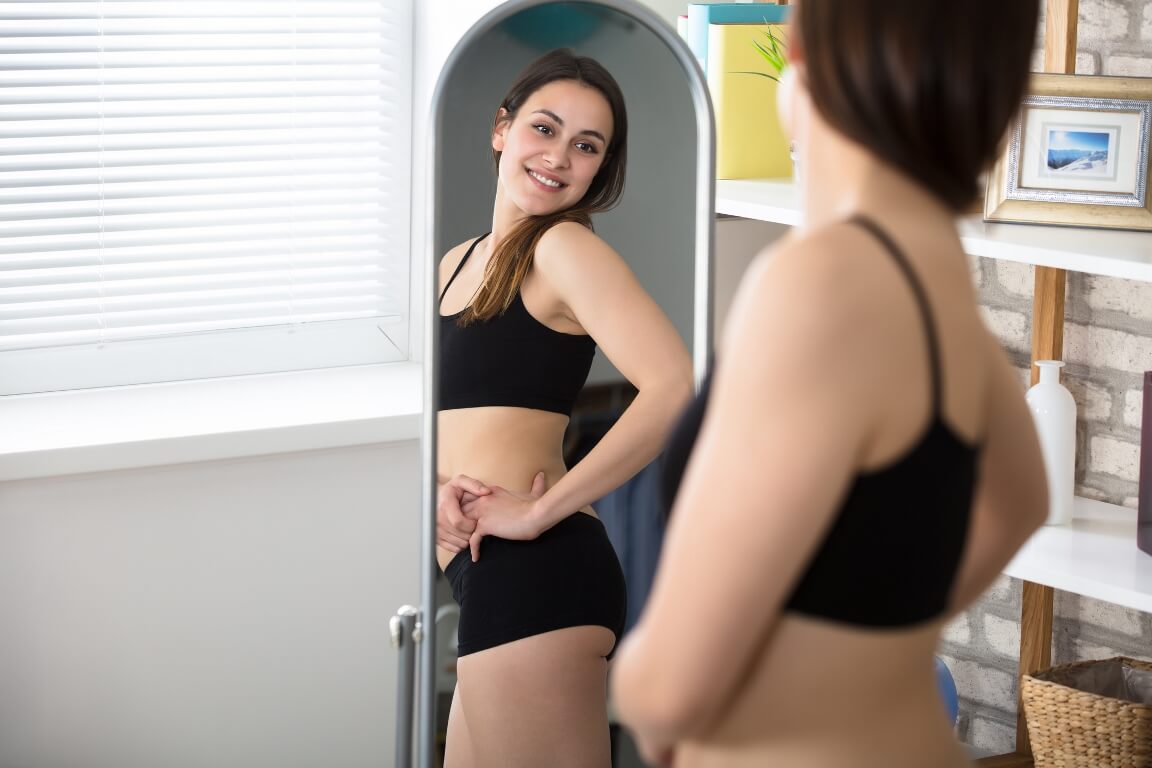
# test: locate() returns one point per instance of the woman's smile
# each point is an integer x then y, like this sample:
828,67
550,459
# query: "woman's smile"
545,181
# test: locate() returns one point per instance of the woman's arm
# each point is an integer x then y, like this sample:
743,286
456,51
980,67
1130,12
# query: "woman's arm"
777,449
1012,495
603,296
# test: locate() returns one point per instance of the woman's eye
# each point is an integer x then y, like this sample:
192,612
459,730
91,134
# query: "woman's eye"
586,147
544,129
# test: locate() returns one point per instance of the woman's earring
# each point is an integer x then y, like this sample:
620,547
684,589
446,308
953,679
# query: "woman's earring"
785,97
785,109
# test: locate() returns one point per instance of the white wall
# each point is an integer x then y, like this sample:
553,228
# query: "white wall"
226,614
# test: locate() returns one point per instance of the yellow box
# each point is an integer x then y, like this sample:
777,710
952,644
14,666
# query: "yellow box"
750,142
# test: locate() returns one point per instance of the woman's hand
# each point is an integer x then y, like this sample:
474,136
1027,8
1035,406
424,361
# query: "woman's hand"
504,513
453,529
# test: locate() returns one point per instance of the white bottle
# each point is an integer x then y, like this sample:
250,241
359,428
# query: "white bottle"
1054,413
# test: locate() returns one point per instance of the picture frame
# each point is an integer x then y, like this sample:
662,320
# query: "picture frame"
1077,155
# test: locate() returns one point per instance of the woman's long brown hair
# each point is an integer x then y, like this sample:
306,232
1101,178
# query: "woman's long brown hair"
513,256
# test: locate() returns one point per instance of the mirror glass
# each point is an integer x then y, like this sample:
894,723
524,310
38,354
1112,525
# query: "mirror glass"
662,228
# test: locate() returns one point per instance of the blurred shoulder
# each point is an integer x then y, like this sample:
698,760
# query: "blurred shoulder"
815,269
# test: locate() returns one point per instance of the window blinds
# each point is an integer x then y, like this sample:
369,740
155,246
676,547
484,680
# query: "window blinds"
169,169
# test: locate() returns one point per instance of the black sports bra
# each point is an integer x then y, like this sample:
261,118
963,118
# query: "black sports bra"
891,555
512,359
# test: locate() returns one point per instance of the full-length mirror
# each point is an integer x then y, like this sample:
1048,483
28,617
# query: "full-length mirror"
519,390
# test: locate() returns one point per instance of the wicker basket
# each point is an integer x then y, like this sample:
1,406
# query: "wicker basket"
1071,727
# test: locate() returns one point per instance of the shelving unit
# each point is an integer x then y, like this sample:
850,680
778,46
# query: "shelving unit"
1110,253
1095,556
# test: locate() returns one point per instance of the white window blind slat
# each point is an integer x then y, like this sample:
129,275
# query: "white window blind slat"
184,178
194,223
217,257
271,199
107,244
320,183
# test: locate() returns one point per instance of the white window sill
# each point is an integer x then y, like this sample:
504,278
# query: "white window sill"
95,430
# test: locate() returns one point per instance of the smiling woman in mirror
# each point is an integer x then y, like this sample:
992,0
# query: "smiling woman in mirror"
522,310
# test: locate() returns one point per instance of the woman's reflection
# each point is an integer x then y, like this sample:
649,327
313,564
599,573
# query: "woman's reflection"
522,309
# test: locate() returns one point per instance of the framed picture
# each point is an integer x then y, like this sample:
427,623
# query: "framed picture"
1078,154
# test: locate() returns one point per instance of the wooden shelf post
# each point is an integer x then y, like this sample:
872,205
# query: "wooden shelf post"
1036,600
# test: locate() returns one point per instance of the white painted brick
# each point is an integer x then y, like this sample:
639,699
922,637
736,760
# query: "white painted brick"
1025,377
1102,20
1003,635
958,631
1096,404
1088,492
992,736
1087,62
983,684
1001,591
1127,65
1110,456
1104,616
976,271
1011,328
1087,651
1018,279
1132,297
1093,402
1133,408
1098,347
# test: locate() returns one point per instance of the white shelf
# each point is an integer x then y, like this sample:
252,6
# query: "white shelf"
1108,252
1096,556
772,200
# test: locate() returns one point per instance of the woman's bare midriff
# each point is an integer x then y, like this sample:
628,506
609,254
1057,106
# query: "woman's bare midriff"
811,702
502,446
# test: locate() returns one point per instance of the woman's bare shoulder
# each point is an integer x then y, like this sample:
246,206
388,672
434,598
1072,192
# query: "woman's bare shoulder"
450,260
569,237
453,255
570,245
815,270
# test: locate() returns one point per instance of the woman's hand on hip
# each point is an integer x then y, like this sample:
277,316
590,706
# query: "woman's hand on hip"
453,529
504,513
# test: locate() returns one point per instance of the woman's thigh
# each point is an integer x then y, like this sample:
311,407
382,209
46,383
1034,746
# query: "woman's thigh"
538,701
458,745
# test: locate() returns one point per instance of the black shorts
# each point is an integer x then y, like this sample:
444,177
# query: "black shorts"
569,576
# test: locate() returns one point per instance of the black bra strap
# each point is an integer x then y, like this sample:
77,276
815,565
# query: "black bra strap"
460,266
921,298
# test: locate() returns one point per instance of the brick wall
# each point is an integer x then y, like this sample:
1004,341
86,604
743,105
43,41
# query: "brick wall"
1107,344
